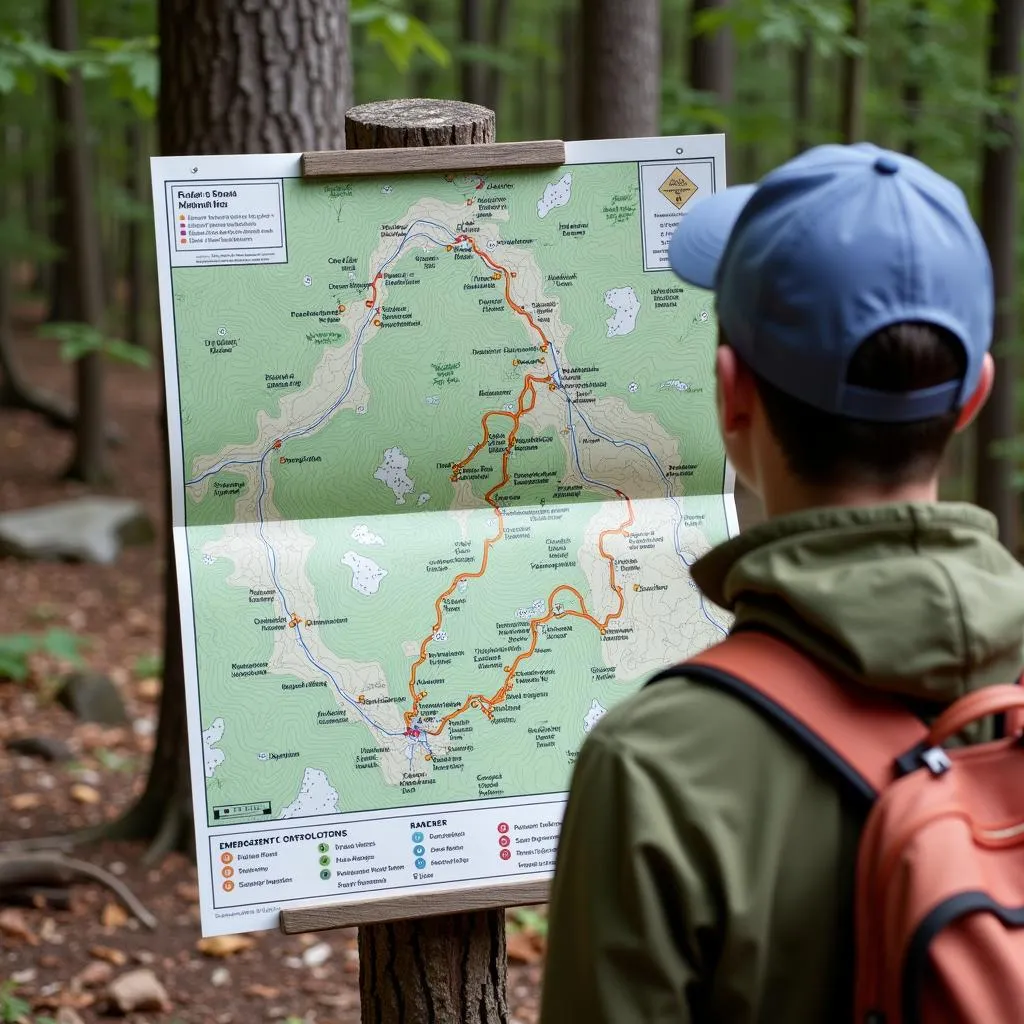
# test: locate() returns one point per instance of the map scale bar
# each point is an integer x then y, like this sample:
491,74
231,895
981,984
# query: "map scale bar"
401,160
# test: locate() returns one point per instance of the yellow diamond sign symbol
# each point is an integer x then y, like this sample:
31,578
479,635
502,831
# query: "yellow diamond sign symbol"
678,189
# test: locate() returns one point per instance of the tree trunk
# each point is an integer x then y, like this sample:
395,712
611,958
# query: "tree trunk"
452,969
472,73
499,32
621,68
84,280
571,93
803,81
235,77
854,77
999,206
712,55
135,262
912,92
243,77
421,75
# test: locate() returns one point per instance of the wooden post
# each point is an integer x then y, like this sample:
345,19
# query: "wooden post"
450,969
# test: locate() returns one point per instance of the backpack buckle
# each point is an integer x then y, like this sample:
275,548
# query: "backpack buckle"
936,760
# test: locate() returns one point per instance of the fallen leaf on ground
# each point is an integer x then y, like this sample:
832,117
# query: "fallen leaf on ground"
148,689
224,945
83,794
187,891
111,955
263,991
24,801
520,949
14,926
114,916
65,1015
94,974
138,990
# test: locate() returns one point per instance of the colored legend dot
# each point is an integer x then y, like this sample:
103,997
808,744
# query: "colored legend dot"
227,872
506,854
419,850
421,863
323,848
504,841
325,874
226,858
325,861
503,827
417,837
228,886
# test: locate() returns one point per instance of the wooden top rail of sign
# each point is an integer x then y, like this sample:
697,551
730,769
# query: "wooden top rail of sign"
398,908
410,159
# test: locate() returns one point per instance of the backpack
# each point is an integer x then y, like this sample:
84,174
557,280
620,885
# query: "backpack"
939,893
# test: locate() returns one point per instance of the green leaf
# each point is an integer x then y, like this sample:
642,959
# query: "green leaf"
59,643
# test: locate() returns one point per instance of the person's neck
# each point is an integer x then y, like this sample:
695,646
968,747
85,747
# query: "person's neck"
793,496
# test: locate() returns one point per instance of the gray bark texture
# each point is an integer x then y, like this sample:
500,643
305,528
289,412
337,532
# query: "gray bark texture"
253,76
450,969
999,213
621,73
84,279
237,76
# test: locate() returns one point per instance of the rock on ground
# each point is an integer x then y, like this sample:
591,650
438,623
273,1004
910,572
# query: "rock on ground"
90,529
92,697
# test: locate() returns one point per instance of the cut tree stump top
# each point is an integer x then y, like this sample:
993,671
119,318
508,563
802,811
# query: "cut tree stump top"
418,122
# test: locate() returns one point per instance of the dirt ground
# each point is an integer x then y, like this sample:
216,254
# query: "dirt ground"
54,956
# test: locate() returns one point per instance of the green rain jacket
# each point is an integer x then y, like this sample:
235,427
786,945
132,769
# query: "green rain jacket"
706,865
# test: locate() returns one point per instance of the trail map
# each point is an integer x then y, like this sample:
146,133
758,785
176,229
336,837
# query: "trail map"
443,451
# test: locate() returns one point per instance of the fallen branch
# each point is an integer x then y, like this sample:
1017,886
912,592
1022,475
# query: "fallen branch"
53,869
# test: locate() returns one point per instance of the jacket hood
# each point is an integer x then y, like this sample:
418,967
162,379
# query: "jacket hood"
915,599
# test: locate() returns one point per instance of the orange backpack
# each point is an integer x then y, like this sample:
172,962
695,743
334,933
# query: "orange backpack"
940,871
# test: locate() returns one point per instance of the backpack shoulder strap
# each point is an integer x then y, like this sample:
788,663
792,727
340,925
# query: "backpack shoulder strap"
858,733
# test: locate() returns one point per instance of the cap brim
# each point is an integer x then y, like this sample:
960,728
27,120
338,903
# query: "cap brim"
700,239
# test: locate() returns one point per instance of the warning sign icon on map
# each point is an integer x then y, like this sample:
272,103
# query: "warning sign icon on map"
678,189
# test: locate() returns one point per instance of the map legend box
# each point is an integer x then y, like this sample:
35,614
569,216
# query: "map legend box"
213,223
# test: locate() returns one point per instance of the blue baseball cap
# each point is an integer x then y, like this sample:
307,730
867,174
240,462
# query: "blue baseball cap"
828,249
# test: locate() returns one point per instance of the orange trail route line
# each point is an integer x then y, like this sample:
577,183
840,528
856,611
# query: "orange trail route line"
527,400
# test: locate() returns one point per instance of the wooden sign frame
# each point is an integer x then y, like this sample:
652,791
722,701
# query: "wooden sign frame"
408,160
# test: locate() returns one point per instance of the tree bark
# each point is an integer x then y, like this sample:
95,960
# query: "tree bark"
621,68
854,77
84,278
999,212
244,77
451,969
472,73
235,77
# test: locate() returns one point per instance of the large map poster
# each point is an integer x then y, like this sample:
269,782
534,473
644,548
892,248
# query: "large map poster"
443,450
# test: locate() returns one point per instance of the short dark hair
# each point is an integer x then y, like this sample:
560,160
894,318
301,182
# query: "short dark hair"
822,449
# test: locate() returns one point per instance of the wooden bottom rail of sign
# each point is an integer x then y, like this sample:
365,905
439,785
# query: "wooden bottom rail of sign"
399,908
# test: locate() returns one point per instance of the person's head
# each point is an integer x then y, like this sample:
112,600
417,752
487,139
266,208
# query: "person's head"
855,304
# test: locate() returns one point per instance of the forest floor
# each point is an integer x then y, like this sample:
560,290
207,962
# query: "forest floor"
54,956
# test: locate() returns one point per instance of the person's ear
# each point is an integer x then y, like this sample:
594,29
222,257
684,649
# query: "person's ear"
980,395
736,393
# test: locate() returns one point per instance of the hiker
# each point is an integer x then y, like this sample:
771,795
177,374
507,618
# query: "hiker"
707,862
